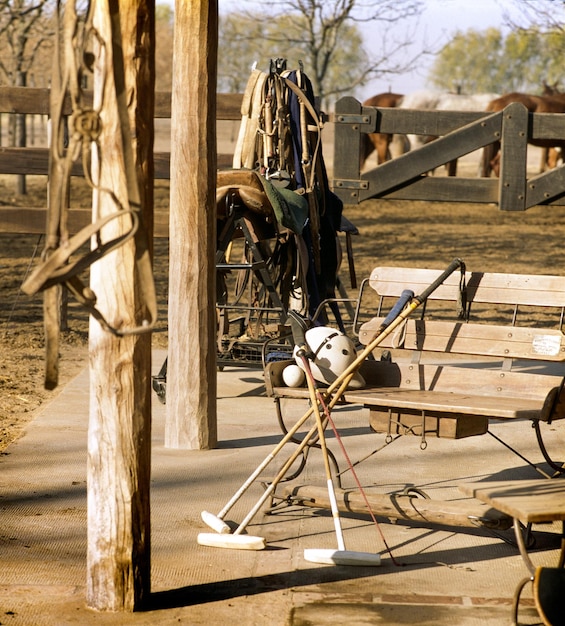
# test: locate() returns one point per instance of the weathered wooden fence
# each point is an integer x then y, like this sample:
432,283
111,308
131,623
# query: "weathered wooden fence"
34,161
459,133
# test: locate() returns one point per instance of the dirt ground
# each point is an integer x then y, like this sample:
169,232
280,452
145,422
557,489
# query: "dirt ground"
390,233
21,316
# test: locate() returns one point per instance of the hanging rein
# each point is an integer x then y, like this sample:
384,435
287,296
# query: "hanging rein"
58,267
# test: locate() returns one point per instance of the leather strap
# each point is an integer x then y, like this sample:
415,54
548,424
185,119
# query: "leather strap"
56,267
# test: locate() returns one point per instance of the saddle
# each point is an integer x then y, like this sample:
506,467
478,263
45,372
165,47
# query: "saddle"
244,187
250,189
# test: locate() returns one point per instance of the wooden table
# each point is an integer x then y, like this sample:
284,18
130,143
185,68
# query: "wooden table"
530,501
527,501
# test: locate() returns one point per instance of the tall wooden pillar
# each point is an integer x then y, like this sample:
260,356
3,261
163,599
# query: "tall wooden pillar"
191,375
119,434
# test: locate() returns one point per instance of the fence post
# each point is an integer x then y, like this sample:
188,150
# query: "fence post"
513,158
191,373
119,432
347,148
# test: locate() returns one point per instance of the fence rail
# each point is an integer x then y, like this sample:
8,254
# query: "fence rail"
459,133
35,161
403,178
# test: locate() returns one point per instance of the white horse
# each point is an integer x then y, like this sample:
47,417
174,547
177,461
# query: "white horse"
437,101
434,100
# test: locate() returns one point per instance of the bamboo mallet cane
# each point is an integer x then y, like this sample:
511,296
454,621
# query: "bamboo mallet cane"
332,395
341,556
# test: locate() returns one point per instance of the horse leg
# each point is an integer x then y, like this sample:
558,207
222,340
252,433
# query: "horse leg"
544,163
451,168
382,143
367,148
399,145
495,164
489,155
553,156
426,140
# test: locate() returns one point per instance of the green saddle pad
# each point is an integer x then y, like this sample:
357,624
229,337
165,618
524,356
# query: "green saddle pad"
291,208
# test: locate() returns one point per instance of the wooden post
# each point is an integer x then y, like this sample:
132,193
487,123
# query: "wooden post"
119,434
513,158
191,374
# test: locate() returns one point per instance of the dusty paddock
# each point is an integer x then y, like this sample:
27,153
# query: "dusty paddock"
391,233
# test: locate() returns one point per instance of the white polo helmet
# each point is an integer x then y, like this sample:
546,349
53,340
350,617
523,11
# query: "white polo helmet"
334,352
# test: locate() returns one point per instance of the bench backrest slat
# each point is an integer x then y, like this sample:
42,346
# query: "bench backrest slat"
477,337
514,342
488,288
481,380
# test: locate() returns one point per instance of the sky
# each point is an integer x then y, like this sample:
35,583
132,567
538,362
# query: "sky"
440,20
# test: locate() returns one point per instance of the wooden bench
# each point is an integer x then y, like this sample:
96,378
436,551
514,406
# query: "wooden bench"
443,376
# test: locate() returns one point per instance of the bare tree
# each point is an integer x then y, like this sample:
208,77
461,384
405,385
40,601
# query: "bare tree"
545,14
164,31
328,35
24,31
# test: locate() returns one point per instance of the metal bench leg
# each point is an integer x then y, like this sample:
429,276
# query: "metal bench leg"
516,600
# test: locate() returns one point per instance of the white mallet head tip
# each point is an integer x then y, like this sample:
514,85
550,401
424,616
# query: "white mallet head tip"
342,557
231,542
215,522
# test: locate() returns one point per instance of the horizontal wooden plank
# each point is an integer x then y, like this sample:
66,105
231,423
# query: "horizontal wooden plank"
30,100
228,106
424,122
494,288
32,220
438,123
446,189
391,281
468,380
547,125
514,342
35,161
402,506
538,500
447,402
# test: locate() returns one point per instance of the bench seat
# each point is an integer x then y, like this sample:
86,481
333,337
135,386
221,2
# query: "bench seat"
494,401
450,377
405,396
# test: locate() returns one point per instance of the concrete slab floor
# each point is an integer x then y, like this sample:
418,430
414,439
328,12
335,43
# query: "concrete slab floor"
439,574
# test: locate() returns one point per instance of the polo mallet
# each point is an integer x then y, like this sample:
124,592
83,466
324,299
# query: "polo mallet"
332,395
223,538
216,522
341,556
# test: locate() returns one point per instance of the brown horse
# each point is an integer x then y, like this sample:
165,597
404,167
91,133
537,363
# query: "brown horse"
379,142
554,103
